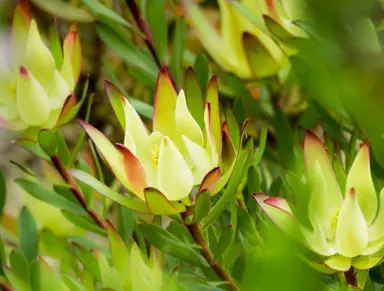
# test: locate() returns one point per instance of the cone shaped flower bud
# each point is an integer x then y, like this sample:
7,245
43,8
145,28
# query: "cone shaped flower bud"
347,230
34,90
162,167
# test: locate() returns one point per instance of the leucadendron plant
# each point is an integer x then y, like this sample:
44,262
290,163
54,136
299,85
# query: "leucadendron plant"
254,38
346,223
177,159
35,82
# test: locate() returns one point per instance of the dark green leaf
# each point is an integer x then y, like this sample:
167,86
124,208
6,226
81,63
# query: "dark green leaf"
284,139
127,223
97,8
88,259
194,96
47,142
202,206
178,45
202,71
63,150
83,221
35,276
115,98
48,196
20,264
230,192
224,241
157,22
29,235
132,55
233,125
64,190
16,281
170,244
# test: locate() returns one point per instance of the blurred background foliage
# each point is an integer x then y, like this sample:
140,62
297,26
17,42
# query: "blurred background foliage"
329,77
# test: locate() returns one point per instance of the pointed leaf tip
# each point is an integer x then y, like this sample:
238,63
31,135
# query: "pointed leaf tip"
134,171
24,72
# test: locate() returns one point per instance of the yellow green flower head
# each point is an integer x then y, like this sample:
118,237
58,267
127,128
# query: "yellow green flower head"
172,159
245,44
35,87
347,224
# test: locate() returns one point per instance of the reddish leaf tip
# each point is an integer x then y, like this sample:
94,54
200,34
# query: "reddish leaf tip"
352,192
24,72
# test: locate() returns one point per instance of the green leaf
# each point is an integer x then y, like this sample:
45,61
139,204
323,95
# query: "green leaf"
57,247
255,19
178,46
158,204
202,206
55,45
48,196
144,109
35,276
16,281
119,252
284,139
88,259
47,142
224,241
73,284
202,71
23,169
97,8
87,190
132,55
157,22
33,146
19,263
262,144
131,203
127,223
277,30
3,256
230,192
63,150
115,98
170,244
83,221
233,125
3,192
48,280
29,235
194,96
64,190
65,10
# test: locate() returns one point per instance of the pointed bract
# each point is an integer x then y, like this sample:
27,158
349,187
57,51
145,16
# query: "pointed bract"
134,171
71,67
352,231
164,105
359,177
215,124
158,204
32,102
174,177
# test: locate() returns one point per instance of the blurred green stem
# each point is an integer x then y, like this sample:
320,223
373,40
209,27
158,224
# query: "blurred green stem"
198,237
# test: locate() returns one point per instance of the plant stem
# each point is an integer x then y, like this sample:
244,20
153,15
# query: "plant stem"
144,28
350,277
194,230
59,165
